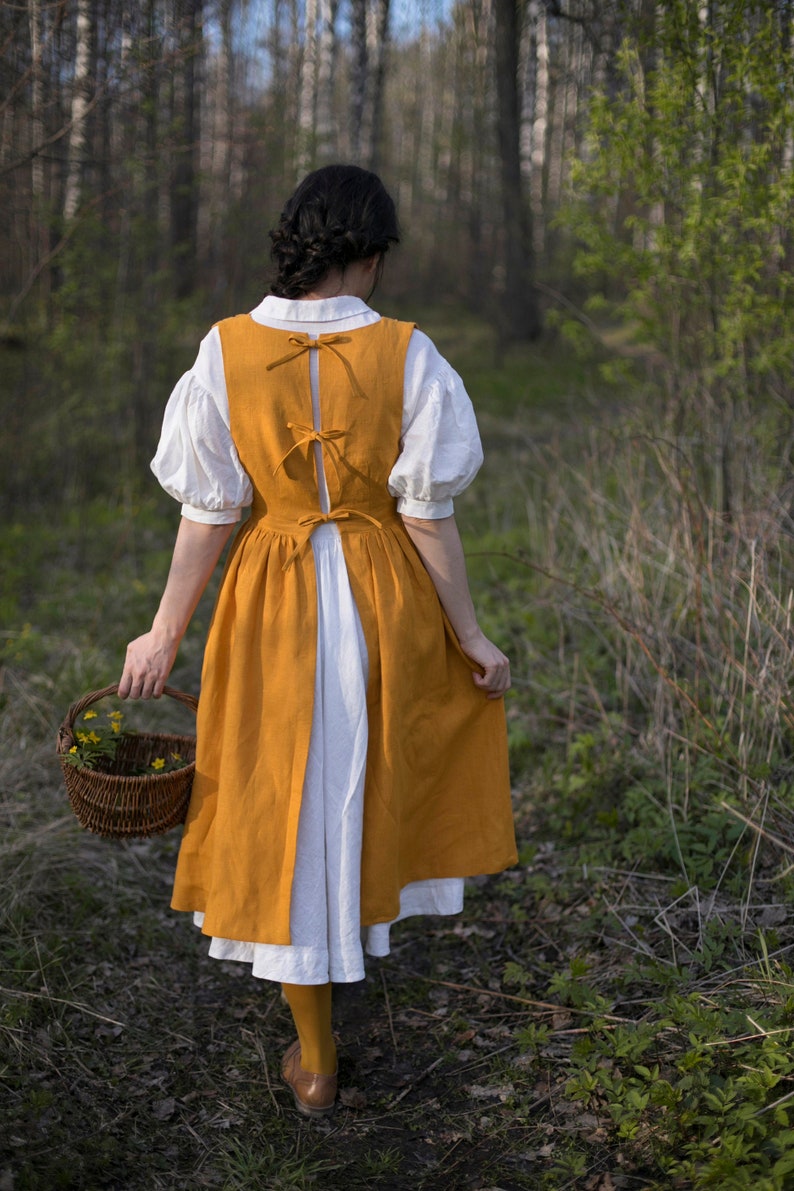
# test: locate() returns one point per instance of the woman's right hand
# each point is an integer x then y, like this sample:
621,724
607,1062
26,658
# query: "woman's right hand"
495,682
149,661
150,657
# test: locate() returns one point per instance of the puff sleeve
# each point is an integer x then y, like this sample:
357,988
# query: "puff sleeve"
196,460
441,451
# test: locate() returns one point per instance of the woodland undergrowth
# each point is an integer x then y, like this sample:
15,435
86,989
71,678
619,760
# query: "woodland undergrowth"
614,1012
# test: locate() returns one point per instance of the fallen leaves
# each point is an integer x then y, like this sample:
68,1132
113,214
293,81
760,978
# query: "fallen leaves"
163,1110
353,1098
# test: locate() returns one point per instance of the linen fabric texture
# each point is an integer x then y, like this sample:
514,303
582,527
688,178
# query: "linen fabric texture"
317,442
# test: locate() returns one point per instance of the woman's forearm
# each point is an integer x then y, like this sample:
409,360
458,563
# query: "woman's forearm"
150,657
441,551
196,552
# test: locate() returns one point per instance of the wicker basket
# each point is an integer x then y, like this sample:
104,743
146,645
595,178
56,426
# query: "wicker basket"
108,801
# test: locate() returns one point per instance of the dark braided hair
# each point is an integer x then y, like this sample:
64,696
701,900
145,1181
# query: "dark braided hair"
338,214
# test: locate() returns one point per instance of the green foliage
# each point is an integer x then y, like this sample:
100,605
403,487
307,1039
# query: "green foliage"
657,646
95,744
707,1105
683,1085
247,1164
692,152
650,733
571,988
680,206
606,796
80,587
88,386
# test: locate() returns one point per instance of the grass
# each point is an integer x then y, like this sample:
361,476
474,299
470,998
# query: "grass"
133,1060
613,1013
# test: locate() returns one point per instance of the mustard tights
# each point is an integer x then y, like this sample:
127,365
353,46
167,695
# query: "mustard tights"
311,1010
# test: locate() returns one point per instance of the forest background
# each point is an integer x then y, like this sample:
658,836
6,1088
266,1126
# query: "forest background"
596,201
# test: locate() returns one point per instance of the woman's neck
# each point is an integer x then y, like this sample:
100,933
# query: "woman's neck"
357,280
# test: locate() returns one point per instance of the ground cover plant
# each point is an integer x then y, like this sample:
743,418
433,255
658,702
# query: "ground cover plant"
614,1012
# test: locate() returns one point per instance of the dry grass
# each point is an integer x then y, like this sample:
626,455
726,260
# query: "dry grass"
129,1058
651,729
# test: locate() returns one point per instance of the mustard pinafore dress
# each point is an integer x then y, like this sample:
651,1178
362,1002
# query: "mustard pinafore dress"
436,789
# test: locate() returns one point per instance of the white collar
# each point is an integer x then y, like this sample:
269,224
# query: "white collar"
320,310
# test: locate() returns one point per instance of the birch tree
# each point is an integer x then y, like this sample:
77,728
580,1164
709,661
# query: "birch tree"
534,92
471,114
81,91
327,58
38,243
216,141
307,95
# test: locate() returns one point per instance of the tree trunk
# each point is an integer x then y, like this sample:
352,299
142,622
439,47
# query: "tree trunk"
217,152
80,97
326,71
38,230
287,72
315,104
307,99
184,184
476,50
358,82
37,98
787,156
369,32
377,40
144,347
519,316
540,123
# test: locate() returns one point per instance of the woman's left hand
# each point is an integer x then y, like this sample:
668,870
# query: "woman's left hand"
496,679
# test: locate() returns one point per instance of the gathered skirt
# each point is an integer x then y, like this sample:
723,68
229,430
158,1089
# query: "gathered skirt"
328,941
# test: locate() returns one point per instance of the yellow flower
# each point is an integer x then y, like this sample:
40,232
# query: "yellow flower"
82,737
158,763
90,715
116,726
115,715
73,749
176,756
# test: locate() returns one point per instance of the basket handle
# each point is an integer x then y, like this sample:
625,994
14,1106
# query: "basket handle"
65,733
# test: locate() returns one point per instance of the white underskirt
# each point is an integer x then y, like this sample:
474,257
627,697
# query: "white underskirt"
328,941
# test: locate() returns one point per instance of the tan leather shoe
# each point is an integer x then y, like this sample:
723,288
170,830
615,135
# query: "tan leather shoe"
314,1094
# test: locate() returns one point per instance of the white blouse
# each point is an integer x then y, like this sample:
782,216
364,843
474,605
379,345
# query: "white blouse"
440,451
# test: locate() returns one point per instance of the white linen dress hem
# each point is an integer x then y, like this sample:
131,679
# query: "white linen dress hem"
310,965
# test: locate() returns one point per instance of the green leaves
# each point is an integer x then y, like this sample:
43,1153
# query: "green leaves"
682,200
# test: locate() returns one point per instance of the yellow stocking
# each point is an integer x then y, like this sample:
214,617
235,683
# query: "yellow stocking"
311,1010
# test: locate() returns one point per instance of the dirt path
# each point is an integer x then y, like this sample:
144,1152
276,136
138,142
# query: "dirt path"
134,1061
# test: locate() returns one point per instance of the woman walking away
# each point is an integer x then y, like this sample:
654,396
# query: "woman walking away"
352,757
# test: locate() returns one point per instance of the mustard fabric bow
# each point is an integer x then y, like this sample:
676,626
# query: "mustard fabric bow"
304,343
324,437
310,521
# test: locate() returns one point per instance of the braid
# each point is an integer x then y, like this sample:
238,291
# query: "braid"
337,215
